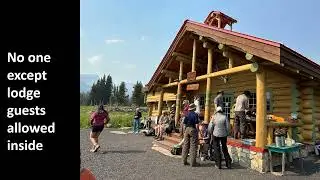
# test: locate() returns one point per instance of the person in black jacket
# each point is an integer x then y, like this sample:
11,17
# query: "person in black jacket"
136,121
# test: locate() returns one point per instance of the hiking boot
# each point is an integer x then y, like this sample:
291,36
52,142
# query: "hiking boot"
218,167
186,164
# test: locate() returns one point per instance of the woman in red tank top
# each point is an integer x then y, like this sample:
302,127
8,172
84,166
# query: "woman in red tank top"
97,121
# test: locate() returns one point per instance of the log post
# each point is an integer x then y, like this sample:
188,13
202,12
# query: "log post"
150,108
170,80
160,103
261,129
208,88
230,62
178,98
194,55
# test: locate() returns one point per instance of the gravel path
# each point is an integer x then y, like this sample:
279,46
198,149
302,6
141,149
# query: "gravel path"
129,156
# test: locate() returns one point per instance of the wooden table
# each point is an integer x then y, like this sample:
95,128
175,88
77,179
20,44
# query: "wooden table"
283,150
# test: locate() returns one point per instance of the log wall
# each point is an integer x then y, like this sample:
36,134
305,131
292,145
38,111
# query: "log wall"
310,112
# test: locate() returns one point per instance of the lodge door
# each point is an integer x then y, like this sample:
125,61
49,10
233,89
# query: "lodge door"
227,99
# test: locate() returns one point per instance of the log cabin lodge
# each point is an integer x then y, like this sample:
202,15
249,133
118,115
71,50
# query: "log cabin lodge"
206,57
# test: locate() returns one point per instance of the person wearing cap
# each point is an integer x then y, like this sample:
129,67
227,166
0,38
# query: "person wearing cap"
242,105
190,143
220,133
218,100
136,121
98,119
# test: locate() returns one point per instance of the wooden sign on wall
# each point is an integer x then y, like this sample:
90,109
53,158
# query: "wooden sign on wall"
191,76
192,87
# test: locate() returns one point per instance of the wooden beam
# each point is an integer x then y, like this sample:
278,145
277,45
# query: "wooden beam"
250,57
254,67
170,84
181,71
178,105
261,128
160,103
194,55
208,88
202,38
214,74
207,45
221,46
178,98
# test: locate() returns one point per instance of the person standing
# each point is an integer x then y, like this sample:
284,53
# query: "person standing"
220,133
98,119
185,104
136,121
242,104
190,143
218,100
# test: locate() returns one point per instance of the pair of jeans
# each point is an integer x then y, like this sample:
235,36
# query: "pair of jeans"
217,142
136,125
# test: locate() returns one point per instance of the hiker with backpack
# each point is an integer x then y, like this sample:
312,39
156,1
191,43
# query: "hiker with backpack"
98,119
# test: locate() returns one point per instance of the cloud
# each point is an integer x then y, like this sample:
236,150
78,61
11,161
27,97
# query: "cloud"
95,59
113,41
130,66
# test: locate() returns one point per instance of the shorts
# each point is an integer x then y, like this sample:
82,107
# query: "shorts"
97,128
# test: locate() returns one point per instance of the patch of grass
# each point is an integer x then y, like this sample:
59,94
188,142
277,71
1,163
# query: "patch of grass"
117,119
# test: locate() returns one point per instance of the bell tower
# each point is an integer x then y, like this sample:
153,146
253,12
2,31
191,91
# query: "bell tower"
219,20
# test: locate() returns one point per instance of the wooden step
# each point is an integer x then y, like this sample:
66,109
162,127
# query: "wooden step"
176,135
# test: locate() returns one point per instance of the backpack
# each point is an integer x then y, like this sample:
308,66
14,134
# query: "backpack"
176,150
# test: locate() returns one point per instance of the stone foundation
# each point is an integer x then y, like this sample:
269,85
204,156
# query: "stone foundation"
258,158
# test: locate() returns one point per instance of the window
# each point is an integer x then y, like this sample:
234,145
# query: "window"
227,104
253,101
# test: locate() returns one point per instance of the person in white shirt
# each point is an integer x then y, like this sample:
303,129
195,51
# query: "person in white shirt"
197,103
242,105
